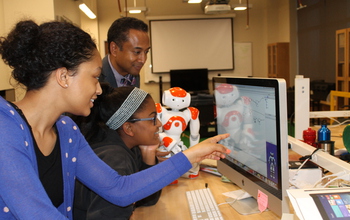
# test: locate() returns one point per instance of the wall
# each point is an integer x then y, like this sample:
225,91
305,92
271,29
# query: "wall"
317,24
67,10
4,69
41,11
90,25
13,11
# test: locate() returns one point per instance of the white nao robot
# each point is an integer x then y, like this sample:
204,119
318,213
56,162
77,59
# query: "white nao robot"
234,116
175,120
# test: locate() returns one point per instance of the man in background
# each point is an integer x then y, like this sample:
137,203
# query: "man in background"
128,46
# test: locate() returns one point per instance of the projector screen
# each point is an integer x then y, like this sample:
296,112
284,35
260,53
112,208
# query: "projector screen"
192,44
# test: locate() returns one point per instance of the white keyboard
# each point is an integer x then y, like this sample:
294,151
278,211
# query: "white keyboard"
203,205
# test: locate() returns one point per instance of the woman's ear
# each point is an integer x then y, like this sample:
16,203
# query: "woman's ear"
127,127
62,77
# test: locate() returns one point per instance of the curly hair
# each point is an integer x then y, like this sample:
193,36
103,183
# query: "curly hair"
34,51
94,126
118,32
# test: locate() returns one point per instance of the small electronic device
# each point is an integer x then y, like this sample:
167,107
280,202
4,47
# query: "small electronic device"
203,205
194,81
333,205
254,112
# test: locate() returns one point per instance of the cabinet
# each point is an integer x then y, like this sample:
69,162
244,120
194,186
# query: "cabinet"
278,61
342,71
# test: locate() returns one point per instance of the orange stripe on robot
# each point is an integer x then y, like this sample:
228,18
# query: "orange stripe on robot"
177,92
167,141
194,112
158,107
168,124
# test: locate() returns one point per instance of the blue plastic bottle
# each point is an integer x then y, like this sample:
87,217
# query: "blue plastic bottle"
324,134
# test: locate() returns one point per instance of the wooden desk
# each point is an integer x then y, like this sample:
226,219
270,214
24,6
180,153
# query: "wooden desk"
173,205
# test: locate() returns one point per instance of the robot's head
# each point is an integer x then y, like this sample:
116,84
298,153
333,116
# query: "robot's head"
176,98
226,94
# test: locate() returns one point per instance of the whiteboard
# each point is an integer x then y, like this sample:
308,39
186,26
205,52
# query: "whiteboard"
192,44
242,59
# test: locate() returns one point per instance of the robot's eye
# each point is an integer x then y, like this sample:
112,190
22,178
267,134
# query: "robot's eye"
183,100
173,100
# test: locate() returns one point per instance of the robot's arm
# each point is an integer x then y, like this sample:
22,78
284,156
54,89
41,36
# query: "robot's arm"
194,126
167,141
169,144
159,109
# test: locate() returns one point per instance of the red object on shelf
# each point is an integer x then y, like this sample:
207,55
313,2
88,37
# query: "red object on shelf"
309,136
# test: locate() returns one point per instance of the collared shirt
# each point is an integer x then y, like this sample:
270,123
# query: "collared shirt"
119,78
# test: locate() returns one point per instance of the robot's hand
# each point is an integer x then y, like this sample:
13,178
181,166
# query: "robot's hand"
168,143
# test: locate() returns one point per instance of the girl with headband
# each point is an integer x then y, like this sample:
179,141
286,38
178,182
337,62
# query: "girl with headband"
42,152
122,129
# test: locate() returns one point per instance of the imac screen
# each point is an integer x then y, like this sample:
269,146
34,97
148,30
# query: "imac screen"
192,80
254,112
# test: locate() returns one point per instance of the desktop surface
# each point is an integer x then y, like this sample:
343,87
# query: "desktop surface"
173,205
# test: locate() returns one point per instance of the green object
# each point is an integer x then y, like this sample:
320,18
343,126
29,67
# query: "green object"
346,137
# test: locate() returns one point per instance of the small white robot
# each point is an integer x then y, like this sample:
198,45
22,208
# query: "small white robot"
175,118
272,162
234,116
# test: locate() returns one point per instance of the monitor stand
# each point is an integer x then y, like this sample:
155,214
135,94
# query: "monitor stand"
245,206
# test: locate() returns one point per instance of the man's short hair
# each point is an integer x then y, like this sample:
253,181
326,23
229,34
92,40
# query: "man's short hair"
118,32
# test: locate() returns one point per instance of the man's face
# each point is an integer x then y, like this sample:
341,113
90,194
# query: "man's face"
133,55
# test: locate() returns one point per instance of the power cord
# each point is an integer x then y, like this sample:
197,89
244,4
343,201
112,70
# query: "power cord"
331,181
337,175
306,159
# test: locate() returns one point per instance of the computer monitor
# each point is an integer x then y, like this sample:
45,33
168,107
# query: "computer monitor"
194,81
254,112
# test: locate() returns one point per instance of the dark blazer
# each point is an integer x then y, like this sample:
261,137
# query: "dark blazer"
108,76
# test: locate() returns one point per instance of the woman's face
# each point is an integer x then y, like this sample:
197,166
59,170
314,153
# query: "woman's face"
147,132
84,86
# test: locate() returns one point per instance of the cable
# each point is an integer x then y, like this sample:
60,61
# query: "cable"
339,177
341,173
307,158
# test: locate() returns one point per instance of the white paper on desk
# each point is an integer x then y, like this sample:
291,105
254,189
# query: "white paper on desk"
303,204
237,194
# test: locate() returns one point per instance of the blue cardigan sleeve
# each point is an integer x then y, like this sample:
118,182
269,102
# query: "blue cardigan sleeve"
124,190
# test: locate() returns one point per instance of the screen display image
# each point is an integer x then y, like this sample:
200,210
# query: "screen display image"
253,112
333,205
249,117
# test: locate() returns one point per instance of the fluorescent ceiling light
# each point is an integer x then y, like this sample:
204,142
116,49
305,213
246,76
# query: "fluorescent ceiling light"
194,1
240,8
87,11
136,10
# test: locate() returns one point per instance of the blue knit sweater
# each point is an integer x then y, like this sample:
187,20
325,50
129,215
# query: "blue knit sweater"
22,195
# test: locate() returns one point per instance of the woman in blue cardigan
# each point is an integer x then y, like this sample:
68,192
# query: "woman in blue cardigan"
42,151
